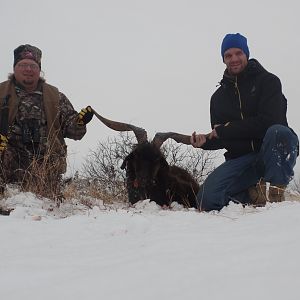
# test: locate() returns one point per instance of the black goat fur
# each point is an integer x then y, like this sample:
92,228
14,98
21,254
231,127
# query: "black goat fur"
149,176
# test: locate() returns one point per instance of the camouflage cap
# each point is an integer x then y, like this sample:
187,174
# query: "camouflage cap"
27,52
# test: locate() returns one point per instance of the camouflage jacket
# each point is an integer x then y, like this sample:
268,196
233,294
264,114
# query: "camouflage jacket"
40,120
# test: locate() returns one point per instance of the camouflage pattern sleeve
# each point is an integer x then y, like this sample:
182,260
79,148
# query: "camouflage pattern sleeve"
68,119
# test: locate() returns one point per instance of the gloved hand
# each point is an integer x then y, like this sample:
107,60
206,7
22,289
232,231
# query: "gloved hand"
3,143
85,115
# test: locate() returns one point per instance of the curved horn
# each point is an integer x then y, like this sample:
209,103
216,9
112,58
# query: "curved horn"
140,133
161,137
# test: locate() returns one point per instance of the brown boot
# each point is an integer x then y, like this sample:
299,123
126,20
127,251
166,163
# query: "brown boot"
258,194
276,193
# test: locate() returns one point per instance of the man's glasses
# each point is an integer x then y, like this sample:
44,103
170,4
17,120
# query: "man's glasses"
33,67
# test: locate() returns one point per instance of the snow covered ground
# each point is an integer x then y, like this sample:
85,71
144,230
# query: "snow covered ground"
146,252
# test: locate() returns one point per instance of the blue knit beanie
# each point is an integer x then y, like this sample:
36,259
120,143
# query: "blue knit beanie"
234,40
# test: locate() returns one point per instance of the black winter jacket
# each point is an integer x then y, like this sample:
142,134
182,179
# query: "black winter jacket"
246,105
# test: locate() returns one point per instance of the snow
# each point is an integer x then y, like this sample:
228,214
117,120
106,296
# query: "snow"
145,252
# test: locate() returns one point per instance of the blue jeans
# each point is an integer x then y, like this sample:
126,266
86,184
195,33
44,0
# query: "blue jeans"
230,181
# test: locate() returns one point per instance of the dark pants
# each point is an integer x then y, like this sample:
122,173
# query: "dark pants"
231,180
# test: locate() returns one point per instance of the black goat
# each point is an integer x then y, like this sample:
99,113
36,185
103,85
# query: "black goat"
149,176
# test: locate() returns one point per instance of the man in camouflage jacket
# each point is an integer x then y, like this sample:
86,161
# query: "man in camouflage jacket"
39,118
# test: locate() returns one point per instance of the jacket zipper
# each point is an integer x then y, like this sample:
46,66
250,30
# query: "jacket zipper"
239,95
240,101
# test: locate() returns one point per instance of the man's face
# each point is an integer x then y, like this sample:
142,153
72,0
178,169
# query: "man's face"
27,72
236,60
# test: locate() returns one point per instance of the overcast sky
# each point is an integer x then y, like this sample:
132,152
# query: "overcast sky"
152,63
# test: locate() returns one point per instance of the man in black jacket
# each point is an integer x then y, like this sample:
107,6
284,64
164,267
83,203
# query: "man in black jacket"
248,119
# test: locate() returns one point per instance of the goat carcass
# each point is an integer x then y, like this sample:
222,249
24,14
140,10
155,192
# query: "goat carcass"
149,176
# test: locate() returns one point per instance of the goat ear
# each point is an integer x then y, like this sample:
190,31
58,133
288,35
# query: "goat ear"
127,158
163,163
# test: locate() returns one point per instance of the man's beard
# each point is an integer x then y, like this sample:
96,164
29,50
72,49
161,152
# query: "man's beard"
28,82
